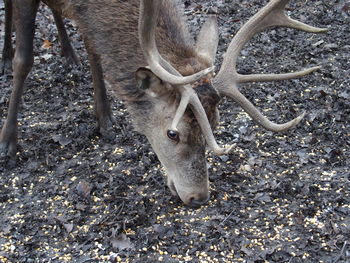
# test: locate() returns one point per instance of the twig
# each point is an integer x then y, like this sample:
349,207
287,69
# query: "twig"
227,217
341,252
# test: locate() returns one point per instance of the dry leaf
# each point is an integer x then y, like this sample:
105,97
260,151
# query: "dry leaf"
47,44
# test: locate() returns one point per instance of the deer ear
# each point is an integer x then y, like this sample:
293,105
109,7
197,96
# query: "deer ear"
146,79
149,82
208,39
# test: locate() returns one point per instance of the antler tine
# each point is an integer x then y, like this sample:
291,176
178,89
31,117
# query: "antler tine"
255,114
149,10
202,119
189,97
227,79
273,77
271,15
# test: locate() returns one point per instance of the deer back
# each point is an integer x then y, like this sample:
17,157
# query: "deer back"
111,27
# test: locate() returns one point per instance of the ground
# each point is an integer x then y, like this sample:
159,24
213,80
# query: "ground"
279,197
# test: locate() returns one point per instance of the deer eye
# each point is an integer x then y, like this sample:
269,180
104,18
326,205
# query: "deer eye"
173,135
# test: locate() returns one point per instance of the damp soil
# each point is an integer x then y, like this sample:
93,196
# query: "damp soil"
75,196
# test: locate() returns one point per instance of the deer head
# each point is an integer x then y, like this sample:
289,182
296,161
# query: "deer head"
183,109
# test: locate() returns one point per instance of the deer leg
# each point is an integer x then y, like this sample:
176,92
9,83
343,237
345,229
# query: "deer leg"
101,105
66,48
7,52
25,13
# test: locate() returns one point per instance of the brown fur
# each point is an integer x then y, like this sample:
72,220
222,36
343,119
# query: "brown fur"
114,35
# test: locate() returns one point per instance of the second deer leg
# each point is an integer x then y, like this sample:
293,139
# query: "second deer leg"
25,13
7,52
101,104
66,47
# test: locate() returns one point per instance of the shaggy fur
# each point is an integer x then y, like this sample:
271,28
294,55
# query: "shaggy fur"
113,34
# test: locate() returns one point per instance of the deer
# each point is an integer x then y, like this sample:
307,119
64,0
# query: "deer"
166,79
8,51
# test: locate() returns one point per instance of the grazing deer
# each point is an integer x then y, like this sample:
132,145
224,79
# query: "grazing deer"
152,63
8,52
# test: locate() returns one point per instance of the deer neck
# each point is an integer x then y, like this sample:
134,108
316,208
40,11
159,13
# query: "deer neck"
110,28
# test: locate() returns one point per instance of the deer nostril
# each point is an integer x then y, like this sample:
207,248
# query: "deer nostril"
196,203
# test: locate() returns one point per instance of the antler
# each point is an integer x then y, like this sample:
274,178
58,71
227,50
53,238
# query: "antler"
189,97
228,78
149,10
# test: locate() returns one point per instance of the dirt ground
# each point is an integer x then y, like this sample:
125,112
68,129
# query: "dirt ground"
76,197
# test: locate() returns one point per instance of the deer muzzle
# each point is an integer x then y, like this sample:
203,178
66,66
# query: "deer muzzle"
191,194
